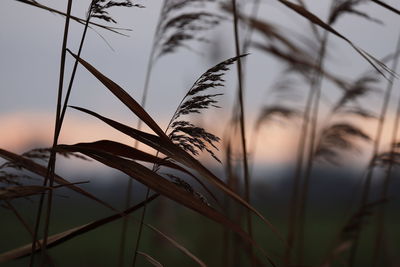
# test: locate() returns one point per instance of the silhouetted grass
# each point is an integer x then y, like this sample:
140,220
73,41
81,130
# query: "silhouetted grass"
166,233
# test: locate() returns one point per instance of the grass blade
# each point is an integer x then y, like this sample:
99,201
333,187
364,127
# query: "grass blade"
79,20
60,238
12,192
150,259
178,246
171,150
125,151
314,19
40,170
77,231
122,95
382,4
168,189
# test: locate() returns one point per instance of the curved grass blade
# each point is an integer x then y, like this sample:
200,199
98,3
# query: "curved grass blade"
150,259
122,95
382,4
178,246
125,151
171,150
60,238
316,20
79,20
13,192
168,189
27,227
40,170
77,231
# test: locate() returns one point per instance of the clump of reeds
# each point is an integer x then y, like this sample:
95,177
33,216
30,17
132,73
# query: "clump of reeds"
176,172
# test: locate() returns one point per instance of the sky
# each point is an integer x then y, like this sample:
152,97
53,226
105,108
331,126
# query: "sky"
30,41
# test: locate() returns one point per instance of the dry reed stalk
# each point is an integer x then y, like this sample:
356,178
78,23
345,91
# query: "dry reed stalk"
95,10
79,20
382,4
138,238
75,67
51,164
163,143
380,223
370,171
315,86
128,193
335,12
293,209
28,229
182,33
242,116
299,197
60,238
71,233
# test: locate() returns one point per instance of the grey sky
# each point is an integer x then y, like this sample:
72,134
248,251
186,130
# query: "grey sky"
30,41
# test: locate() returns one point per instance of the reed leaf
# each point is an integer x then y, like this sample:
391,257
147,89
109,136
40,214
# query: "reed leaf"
150,259
389,7
350,231
171,150
40,170
168,189
62,237
77,19
125,151
178,246
123,96
12,192
375,63
348,6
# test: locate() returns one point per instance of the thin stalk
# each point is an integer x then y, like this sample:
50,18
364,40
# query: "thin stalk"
316,84
148,189
52,160
140,228
20,219
380,224
67,96
231,253
249,33
128,194
26,226
293,210
313,99
245,49
75,67
242,118
314,28
370,170
166,130
296,182
149,71
226,237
